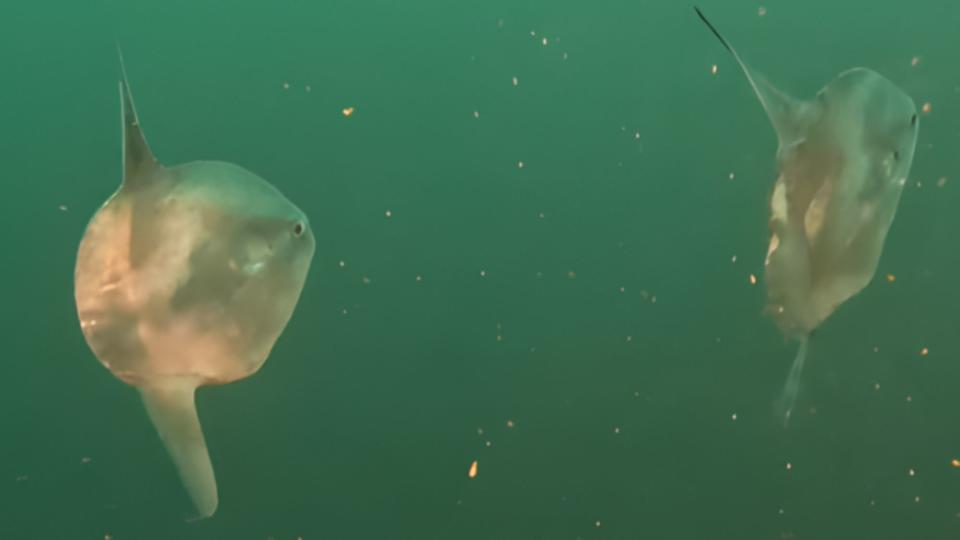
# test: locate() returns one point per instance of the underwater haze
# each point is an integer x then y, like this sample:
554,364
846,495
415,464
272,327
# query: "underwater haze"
540,235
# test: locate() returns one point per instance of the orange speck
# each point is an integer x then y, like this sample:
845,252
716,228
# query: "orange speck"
348,111
753,279
924,351
473,470
891,278
955,462
927,108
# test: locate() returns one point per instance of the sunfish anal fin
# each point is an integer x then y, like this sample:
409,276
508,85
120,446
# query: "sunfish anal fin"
171,407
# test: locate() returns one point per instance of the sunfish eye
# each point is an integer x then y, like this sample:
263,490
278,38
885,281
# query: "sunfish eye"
298,229
913,119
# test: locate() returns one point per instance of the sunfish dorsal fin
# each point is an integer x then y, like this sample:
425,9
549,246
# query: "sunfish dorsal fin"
138,161
784,111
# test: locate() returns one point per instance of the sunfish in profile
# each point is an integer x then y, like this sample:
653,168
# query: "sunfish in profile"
186,277
843,159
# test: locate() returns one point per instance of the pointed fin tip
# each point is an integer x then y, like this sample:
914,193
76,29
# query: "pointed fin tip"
713,29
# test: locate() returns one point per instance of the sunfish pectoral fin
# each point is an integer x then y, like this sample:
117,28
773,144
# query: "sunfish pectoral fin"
138,161
784,112
171,407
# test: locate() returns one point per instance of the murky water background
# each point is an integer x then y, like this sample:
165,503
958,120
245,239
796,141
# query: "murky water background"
588,297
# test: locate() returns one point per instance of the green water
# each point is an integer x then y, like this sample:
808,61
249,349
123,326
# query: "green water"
385,388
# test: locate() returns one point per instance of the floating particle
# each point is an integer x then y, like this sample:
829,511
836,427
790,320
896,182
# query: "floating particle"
489,444
780,511
388,213
955,463
479,431
544,41
761,11
564,56
520,165
476,114
348,111
344,311
343,264
539,275
623,290
636,135
915,61
616,430
472,473
753,279
598,524
916,499
419,279
516,81
924,351
483,273
540,215
732,176
909,399
876,386
629,338
107,537
510,424
366,280
571,274
22,478
63,208
927,108
876,349
912,472
533,33
307,88
942,181
499,23
286,86
85,460
713,69
733,259
891,278
789,466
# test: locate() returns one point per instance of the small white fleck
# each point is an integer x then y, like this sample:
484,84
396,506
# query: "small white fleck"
388,213
519,164
343,264
616,431
732,176
544,41
789,466
63,208
733,417
516,81
286,86
483,273
476,114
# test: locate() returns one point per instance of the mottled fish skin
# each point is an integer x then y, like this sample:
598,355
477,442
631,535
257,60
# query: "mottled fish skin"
843,159
187,276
